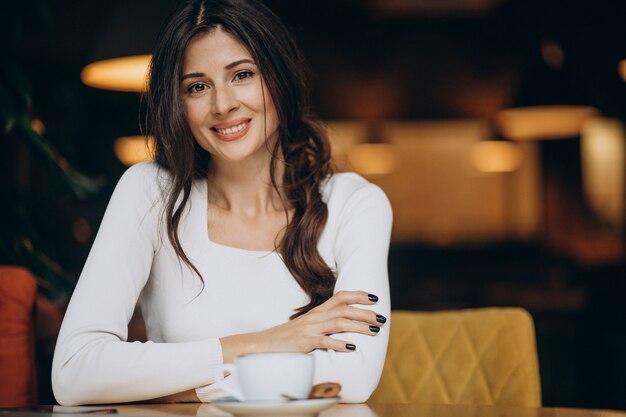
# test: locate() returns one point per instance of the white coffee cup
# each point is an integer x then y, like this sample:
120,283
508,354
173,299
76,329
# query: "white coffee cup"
269,376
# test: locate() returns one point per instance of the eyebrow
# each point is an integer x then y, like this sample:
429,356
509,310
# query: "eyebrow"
227,67
236,63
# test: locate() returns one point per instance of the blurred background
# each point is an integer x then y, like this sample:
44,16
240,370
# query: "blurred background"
496,128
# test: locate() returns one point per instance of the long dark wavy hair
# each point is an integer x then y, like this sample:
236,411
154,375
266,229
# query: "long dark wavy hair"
302,144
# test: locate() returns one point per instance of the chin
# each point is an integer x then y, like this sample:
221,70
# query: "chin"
236,157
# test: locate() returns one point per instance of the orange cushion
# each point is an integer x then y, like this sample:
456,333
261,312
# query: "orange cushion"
18,291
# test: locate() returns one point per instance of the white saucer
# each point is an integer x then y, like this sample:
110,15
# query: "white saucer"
273,408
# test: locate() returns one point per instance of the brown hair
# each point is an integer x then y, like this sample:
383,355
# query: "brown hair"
302,140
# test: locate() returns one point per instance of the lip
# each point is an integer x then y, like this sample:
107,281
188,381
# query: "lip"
232,123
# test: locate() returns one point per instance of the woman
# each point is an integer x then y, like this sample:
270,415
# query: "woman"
238,239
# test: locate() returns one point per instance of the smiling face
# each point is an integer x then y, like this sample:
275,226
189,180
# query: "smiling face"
227,106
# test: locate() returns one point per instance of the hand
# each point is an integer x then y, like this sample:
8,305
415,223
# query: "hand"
312,330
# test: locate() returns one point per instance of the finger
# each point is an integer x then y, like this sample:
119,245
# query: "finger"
353,313
342,325
348,297
329,343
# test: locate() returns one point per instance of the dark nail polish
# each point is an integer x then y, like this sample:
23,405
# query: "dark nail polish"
381,319
350,346
374,329
372,297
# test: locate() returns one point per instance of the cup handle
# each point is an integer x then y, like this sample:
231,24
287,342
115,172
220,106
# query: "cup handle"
221,382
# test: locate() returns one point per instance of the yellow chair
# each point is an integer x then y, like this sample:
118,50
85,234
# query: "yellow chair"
473,356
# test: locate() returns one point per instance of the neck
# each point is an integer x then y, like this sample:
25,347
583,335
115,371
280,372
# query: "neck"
245,187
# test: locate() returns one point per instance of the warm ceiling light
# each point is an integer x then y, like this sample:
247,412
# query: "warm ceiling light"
133,149
128,73
372,158
622,69
552,54
494,156
38,126
543,122
603,163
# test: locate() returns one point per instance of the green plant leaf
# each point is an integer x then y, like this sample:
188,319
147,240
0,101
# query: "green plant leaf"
19,240
52,277
19,246
81,185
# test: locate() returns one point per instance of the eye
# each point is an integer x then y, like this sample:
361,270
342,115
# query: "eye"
196,88
243,75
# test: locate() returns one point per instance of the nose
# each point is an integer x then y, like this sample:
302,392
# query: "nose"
224,100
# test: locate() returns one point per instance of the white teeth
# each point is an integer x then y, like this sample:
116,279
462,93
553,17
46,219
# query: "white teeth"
231,130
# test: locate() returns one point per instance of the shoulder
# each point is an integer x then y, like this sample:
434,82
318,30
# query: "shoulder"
142,184
144,173
349,191
147,177
359,219
349,185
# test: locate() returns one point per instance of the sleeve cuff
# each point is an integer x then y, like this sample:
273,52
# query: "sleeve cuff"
211,392
208,393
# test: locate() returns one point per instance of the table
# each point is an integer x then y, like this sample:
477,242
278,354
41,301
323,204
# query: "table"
339,410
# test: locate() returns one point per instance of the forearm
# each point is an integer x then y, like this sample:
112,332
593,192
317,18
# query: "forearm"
102,371
241,344
358,372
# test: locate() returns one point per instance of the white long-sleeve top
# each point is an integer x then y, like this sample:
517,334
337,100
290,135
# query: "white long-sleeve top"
245,291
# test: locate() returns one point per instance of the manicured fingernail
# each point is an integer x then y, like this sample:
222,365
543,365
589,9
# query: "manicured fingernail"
381,319
372,297
350,346
374,329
